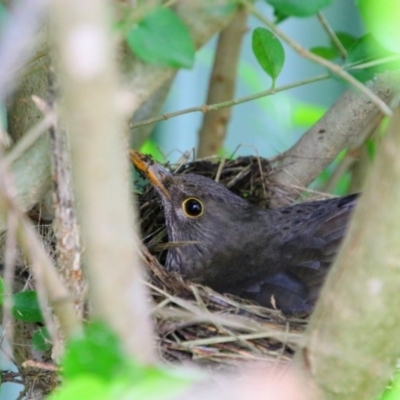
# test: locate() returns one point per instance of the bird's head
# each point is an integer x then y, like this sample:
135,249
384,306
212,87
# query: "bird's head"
198,210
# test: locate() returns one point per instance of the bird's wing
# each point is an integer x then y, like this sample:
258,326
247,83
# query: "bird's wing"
307,255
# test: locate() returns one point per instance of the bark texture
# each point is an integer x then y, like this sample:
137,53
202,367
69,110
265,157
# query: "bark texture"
340,127
351,347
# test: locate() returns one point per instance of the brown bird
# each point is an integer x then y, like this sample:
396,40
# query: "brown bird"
274,257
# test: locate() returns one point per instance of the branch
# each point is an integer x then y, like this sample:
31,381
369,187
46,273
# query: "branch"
342,125
49,285
349,349
143,80
88,77
222,84
219,106
334,68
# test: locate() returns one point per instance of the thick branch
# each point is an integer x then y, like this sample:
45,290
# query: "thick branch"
339,127
222,85
349,349
100,170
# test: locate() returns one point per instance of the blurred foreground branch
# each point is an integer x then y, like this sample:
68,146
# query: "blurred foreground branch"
90,107
350,347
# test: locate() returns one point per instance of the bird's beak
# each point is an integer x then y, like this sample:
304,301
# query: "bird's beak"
154,172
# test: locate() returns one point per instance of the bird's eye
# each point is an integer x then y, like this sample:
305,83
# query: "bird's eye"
192,207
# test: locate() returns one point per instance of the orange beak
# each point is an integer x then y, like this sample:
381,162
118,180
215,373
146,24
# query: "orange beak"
154,172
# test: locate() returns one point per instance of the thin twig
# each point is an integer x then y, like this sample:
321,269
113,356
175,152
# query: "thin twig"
210,107
336,69
331,33
29,139
222,84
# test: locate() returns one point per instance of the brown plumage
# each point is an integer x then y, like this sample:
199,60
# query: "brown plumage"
235,247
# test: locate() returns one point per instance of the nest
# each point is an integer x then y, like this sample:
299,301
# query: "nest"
194,322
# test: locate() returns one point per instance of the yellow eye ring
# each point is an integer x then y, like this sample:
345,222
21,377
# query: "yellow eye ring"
192,207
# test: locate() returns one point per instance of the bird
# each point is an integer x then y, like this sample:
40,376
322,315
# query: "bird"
277,258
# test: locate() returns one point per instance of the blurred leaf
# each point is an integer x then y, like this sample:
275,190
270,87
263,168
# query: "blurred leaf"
392,392
224,152
1,291
97,353
26,307
370,145
82,388
155,384
41,340
268,51
279,17
162,38
150,147
346,39
159,383
220,9
305,115
299,8
3,15
365,50
95,367
329,53
382,18
343,185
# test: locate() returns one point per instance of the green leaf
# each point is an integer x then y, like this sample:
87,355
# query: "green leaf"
26,307
299,8
370,145
329,53
382,19
83,388
366,50
305,115
162,38
41,340
150,147
157,383
97,353
346,39
268,51
1,291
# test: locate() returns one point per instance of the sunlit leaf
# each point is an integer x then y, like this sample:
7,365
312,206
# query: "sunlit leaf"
98,353
26,307
83,388
150,147
268,51
305,115
299,8
366,50
392,392
382,19
162,38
